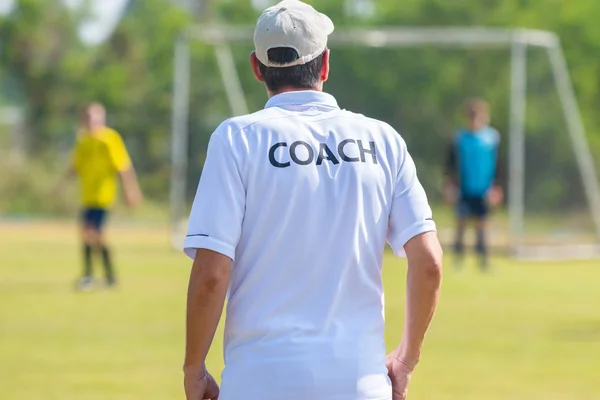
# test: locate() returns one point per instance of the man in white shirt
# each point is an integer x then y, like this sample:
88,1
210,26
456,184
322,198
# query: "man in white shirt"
290,220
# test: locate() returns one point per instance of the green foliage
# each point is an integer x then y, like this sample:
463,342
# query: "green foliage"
28,190
41,52
419,91
133,76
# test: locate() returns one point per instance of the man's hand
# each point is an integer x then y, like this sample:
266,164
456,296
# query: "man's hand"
209,280
495,196
423,282
133,197
133,194
200,385
400,373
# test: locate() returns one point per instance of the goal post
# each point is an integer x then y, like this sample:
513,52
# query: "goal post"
518,41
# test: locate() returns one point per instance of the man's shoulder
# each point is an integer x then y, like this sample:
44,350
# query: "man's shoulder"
234,125
489,136
110,134
363,119
273,114
493,132
270,118
106,136
382,128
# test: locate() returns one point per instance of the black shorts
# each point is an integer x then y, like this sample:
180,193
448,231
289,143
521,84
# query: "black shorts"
94,217
472,207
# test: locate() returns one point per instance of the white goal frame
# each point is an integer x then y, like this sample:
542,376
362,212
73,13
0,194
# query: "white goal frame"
517,40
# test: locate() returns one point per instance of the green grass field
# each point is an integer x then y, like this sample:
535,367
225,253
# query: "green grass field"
526,331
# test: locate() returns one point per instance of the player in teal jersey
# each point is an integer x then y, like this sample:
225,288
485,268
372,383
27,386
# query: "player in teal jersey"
472,176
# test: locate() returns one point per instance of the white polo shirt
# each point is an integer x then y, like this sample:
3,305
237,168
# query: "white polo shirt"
302,196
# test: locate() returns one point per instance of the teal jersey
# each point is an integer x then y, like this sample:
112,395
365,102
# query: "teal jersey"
476,163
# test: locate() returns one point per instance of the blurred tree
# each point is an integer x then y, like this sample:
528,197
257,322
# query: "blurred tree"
574,22
419,90
41,51
132,74
576,25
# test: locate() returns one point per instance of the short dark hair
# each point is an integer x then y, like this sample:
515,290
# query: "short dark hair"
305,76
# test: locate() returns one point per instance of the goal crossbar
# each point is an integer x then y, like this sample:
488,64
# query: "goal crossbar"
517,40
395,37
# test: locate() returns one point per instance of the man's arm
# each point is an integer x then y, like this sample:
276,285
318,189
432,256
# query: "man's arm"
412,233
207,289
423,286
121,161
495,195
214,230
498,171
131,187
423,283
498,177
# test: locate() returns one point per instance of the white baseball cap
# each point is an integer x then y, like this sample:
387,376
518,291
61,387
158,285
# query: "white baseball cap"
293,24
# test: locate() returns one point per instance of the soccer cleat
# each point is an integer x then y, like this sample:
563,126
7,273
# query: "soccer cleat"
85,284
484,264
111,283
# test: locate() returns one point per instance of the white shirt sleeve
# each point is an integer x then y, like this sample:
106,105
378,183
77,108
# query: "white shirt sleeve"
410,214
215,221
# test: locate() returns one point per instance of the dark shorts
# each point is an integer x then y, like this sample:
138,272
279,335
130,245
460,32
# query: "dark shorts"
94,217
472,207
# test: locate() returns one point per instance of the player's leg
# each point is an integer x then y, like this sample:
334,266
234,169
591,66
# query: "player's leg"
88,240
462,214
109,271
481,212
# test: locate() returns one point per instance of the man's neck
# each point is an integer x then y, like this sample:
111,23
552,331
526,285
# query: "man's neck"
476,128
318,88
93,128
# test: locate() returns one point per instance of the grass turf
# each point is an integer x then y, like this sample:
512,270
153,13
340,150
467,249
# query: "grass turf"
525,331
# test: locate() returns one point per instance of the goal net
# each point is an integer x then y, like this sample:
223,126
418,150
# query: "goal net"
417,80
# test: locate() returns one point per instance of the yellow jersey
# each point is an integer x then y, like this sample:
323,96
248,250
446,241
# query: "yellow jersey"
98,158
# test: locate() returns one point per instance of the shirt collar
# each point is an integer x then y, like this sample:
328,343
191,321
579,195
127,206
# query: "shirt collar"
304,98
94,132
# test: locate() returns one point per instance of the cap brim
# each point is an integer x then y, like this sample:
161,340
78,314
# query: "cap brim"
327,24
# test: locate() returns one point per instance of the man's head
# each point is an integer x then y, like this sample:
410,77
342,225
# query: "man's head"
291,52
93,116
478,115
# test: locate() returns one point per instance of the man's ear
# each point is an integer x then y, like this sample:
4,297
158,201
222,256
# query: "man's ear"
255,64
325,68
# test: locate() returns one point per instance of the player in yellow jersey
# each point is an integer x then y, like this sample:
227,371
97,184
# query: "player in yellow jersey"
99,159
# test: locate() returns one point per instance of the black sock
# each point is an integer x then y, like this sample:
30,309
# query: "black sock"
458,242
481,246
87,261
108,267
